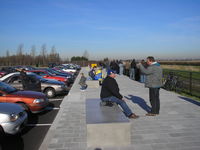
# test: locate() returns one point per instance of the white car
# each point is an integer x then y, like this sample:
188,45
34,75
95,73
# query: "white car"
12,118
67,69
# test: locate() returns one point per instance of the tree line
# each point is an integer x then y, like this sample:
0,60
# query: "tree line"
42,59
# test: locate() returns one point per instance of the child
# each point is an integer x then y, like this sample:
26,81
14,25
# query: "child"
82,82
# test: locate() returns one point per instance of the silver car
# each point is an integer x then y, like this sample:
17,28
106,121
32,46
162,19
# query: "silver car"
50,87
12,118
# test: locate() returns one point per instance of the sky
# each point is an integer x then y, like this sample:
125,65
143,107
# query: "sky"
114,29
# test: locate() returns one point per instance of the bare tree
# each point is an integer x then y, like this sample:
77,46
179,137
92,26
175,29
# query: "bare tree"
20,54
33,51
7,53
43,54
7,58
20,49
86,54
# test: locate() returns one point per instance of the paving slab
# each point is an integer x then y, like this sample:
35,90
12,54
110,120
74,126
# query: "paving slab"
176,128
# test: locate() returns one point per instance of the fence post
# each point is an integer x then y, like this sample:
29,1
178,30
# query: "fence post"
190,83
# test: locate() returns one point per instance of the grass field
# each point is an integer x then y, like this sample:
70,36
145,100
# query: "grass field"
182,67
189,76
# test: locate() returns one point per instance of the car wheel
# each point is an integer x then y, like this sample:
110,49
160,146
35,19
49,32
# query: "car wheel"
50,92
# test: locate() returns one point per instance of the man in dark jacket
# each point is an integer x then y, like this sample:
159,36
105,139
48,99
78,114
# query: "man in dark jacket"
24,79
110,93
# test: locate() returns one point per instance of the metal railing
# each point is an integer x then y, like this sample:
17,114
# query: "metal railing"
182,81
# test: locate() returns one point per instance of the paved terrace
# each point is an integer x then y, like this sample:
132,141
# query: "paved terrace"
176,128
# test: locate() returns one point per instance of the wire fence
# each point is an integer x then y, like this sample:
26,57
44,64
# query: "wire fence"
182,81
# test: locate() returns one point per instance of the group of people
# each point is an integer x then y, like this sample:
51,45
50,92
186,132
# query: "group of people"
128,67
152,70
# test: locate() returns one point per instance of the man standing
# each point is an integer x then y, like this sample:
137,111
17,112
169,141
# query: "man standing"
24,79
153,81
110,93
133,69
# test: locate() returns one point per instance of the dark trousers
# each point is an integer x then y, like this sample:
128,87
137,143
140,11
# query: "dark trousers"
154,100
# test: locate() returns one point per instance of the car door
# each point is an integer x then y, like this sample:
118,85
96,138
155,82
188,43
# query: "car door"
2,97
16,82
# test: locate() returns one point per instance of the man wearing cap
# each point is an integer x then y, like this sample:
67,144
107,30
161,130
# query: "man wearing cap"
110,93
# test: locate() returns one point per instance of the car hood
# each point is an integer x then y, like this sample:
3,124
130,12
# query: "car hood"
8,108
28,94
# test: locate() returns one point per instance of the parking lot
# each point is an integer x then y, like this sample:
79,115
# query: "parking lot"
35,130
54,84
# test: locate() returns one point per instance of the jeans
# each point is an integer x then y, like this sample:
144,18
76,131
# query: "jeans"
154,100
120,102
121,70
142,78
132,73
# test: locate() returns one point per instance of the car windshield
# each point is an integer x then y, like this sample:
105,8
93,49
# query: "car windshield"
53,71
50,73
7,88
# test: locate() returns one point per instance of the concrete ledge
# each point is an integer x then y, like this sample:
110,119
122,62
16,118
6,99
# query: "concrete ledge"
92,83
106,126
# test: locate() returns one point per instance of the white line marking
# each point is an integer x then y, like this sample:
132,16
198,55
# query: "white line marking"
52,108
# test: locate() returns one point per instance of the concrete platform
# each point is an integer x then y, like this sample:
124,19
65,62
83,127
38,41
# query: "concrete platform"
176,128
106,126
92,83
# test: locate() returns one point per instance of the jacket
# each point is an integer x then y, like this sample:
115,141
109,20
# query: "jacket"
82,81
110,88
153,75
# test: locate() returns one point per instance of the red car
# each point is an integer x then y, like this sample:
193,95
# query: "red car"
2,73
47,75
34,102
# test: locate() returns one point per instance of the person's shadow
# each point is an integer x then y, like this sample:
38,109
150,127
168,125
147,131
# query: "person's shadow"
141,102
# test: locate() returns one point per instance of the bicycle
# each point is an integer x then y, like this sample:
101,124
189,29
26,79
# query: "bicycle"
173,83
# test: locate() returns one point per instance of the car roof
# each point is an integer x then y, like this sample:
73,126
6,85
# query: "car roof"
11,74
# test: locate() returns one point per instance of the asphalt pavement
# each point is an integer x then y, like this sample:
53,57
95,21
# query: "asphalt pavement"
34,132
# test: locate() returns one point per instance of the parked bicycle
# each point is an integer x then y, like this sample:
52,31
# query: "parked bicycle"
173,83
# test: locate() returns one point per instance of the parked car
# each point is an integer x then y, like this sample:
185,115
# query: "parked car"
59,69
50,87
8,70
72,66
47,75
2,73
69,76
31,101
12,118
66,68
24,67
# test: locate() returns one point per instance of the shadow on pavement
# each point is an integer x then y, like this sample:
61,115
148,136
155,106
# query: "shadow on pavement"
190,100
141,102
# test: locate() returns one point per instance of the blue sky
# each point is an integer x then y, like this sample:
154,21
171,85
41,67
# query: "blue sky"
119,29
